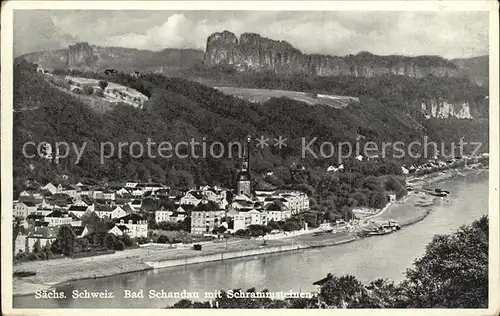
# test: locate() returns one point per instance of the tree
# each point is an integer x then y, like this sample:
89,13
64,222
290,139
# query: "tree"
453,272
110,240
342,292
36,247
16,228
103,84
66,240
221,230
88,89
184,303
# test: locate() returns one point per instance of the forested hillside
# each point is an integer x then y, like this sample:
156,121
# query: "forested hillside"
402,92
179,109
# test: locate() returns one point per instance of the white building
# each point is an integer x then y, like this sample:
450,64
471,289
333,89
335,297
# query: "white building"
104,211
205,217
163,215
50,187
23,209
79,211
192,197
58,218
247,217
137,225
277,211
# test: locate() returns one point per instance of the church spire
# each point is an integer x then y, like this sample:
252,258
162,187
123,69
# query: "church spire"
246,156
243,181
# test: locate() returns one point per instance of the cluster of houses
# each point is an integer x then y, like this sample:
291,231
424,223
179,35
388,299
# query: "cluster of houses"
433,164
43,210
430,165
245,210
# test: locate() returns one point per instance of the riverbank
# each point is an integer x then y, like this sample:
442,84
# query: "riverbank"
53,272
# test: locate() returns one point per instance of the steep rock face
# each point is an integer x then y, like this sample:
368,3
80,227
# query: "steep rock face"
222,48
433,108
82,54
253,51
260,52
91,57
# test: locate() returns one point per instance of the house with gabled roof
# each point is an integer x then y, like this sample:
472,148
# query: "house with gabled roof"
80,231
44,235
242,204
123,229
131,184
277,211
163,192
205,217
137,224
122,191
76,221
127,208
58,218
163,214
23,209
185,208
136,205
249,216
109,212
192,197
80,211
50,187
115,230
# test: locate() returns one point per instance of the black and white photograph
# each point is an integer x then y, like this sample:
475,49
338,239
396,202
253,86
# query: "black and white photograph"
274,156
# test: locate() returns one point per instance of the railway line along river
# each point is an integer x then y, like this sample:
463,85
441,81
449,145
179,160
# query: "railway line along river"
367,259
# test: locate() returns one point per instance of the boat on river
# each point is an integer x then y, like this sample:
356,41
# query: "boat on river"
381,229
23,274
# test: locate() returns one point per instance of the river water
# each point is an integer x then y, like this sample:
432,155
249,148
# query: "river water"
368,259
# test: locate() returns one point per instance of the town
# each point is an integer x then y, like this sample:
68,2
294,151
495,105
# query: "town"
131,209
153,213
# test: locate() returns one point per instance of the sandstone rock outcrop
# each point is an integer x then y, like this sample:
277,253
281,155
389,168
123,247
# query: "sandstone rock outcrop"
98,58
253,51
82,54
442,109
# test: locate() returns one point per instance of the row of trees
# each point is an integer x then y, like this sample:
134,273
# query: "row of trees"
296,222
68,244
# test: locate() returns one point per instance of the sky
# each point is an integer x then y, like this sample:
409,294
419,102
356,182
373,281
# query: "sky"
447,34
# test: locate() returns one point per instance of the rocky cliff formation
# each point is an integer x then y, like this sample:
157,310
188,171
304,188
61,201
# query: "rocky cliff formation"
443,109
465,109
86,56
253,51
82,54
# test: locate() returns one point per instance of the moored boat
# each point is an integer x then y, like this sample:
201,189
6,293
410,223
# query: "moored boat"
382,229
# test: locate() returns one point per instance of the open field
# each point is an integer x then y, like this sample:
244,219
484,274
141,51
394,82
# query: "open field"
262,95
114,92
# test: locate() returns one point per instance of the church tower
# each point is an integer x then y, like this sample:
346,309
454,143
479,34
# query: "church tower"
243,179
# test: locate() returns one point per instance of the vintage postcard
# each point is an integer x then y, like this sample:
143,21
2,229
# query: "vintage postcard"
250,155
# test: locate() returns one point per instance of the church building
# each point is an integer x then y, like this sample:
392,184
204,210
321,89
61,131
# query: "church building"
244,179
